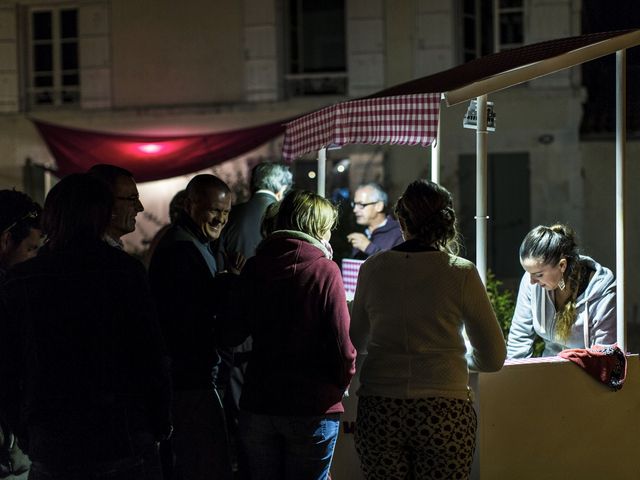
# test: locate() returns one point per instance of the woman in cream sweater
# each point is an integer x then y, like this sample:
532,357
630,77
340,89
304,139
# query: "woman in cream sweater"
415,418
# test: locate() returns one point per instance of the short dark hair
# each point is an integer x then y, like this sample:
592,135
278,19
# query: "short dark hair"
270,176
176,205
77,209
200,183
19,214
109,173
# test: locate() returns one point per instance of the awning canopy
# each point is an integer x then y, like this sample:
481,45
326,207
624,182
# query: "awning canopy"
150,157
402,120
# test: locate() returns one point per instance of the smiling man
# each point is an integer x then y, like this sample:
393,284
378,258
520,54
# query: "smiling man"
183,274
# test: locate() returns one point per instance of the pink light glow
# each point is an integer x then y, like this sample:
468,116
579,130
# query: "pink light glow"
150,148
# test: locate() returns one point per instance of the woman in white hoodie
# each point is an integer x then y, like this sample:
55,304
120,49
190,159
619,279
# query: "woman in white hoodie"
567,299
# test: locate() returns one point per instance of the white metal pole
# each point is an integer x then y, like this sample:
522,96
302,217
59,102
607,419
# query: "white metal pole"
621,155
435,155
481,188
322,171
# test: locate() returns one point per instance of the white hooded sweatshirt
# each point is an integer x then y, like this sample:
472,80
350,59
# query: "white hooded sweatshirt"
535,313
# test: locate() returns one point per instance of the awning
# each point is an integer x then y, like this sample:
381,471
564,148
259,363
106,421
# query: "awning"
399,120
150,157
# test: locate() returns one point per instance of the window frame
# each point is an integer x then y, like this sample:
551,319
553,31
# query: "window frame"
302,84
58,89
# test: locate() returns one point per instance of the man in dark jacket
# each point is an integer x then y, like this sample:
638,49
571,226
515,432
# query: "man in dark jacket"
81,357
269,183
382,231
188,292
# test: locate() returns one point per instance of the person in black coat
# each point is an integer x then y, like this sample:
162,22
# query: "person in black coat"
269,183
85,380
189,291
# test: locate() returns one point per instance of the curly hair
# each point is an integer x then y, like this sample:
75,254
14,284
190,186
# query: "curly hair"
426,210
549,245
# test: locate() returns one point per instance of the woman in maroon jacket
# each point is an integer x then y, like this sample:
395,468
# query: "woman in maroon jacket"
302,361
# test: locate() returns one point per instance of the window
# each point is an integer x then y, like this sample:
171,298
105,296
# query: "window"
315,39
487,23
54,76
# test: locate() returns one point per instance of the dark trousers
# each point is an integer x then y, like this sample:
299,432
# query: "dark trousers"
199,447
145,466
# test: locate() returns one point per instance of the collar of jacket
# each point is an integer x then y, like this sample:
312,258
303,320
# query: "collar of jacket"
185,221
301,236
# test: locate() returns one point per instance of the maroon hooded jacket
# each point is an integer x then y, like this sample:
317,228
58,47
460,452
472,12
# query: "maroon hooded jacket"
295,309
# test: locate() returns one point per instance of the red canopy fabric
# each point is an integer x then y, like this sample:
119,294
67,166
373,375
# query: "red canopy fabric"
150,157
401,120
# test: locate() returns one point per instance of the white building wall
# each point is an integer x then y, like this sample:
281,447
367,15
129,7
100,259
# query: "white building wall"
365,46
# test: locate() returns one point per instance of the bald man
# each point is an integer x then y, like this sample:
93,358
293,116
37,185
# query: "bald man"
185,280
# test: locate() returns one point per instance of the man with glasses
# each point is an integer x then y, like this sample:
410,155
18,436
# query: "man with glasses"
382,231
126,201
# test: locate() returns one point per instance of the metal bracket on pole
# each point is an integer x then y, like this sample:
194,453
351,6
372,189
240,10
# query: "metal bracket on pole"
322,171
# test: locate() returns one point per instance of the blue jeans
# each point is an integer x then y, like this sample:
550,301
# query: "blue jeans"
288,447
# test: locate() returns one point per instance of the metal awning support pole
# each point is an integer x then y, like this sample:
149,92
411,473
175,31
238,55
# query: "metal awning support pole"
621,155
322,171
481,188
435,155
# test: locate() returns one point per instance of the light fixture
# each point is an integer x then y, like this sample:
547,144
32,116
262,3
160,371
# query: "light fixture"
471,117
311,174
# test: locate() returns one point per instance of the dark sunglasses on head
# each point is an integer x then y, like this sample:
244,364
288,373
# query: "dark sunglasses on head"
31,214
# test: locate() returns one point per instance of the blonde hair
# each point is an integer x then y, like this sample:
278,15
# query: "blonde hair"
306,212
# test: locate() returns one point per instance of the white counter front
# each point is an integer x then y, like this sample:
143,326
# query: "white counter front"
540,420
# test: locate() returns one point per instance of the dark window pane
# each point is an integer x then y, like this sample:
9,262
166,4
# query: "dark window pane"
469,33
510,3
294,50
70,80
41,25
469,6
69,24
70,56
44,98
43,58
70,97
43,81
511,30
323,36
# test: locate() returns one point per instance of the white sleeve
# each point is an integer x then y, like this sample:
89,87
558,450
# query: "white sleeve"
488,349
522,334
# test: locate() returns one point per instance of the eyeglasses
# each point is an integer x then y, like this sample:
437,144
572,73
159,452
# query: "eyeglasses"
361,205
132,198
31,214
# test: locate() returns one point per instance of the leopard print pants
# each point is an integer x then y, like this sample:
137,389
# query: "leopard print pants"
416,438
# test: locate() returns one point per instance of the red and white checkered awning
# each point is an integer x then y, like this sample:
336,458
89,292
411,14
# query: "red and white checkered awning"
400,120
